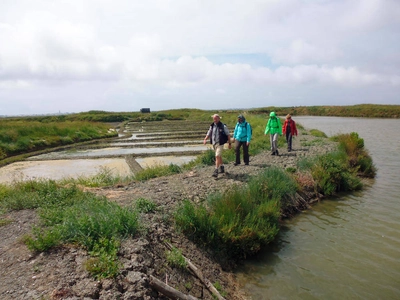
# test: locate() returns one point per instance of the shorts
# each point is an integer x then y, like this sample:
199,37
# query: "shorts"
218,149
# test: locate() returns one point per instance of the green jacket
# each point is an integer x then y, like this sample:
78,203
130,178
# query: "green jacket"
274,124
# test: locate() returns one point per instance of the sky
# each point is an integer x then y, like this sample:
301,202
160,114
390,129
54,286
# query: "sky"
69,56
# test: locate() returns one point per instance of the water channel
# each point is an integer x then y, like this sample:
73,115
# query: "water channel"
345,248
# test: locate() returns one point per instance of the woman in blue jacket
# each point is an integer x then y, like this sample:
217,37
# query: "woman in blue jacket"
242,137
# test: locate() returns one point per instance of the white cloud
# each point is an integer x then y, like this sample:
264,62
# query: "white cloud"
102,52
301,52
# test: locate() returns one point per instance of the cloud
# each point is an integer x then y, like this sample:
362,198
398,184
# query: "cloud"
102,52
301,52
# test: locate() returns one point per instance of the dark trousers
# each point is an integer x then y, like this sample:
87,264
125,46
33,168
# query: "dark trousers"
245,151
289,140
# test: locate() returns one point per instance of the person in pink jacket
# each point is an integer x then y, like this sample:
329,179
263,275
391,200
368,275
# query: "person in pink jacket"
289,129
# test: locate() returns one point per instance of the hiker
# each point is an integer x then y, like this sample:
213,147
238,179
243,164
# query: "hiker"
274,128
219,135
242,137
289,129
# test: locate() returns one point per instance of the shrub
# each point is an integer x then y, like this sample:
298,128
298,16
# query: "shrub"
332,174
358,157
241,221
273,183
305,180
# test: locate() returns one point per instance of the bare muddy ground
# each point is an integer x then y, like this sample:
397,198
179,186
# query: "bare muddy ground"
59,274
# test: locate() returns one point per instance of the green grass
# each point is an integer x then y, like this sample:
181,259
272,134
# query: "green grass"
318,133
175,258
4,222
239,222
143,205
19,136
157,171
104,177
69,215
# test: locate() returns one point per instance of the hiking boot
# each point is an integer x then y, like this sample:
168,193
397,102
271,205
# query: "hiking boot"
222,169
215,174
246,164
276,152
235,164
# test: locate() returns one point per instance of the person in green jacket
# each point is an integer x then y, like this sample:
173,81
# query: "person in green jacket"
274,128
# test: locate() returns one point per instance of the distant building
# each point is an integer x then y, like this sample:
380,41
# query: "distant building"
145,110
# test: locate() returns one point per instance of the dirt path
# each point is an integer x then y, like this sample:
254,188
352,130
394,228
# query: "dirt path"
59,274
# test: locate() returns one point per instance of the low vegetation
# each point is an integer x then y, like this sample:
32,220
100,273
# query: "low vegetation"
176,259
243,220
69,215
361,110
157,171
103,178
24,136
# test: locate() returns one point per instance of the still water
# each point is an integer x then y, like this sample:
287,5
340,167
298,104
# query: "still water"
346,248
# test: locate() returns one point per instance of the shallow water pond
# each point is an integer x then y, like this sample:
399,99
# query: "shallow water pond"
59,169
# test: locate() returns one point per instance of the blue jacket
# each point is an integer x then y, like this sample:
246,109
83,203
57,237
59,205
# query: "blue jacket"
242,132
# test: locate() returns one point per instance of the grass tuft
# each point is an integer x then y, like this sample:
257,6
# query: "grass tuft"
176,259
157,171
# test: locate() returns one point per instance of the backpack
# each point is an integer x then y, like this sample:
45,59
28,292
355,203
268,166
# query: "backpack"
223,138
251,129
